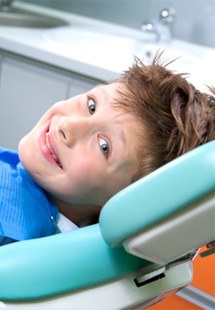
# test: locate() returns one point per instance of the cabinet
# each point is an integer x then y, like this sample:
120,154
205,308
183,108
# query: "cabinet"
27,90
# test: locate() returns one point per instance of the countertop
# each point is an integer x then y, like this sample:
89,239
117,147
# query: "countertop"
101,64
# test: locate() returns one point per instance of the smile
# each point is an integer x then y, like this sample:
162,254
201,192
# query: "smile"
49,149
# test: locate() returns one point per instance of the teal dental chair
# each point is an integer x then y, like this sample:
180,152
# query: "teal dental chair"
139,253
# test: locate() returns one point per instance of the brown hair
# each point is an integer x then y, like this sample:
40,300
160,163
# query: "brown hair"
175,116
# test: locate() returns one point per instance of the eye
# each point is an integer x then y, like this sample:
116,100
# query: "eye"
91,106
104,146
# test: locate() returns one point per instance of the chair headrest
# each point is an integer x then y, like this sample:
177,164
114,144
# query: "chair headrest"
158,195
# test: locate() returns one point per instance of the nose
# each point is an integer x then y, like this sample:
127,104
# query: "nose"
73,128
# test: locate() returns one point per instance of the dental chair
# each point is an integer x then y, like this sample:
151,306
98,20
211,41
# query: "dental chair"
139,253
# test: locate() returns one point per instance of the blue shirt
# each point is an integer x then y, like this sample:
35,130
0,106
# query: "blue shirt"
26,211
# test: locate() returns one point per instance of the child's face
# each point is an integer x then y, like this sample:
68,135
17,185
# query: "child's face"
83,150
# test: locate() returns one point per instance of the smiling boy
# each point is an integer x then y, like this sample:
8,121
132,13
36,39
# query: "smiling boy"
87,148
83,151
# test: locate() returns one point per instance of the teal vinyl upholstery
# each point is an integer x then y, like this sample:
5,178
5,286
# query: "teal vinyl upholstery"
61,263
159,195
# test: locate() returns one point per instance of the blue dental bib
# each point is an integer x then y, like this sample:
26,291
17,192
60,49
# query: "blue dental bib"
26,211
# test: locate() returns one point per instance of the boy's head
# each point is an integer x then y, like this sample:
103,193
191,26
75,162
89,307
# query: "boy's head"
87,148
83,150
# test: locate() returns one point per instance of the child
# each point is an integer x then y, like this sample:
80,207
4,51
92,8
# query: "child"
87,148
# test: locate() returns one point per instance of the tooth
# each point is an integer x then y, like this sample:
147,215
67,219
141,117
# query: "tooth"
47,141
53,155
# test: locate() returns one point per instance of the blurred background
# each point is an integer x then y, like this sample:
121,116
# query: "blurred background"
194,20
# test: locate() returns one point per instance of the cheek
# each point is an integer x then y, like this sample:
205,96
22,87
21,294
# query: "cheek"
84,175
83,171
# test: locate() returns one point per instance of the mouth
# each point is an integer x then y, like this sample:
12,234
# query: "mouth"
49,149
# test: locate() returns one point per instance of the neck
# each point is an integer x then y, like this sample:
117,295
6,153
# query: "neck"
81,215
